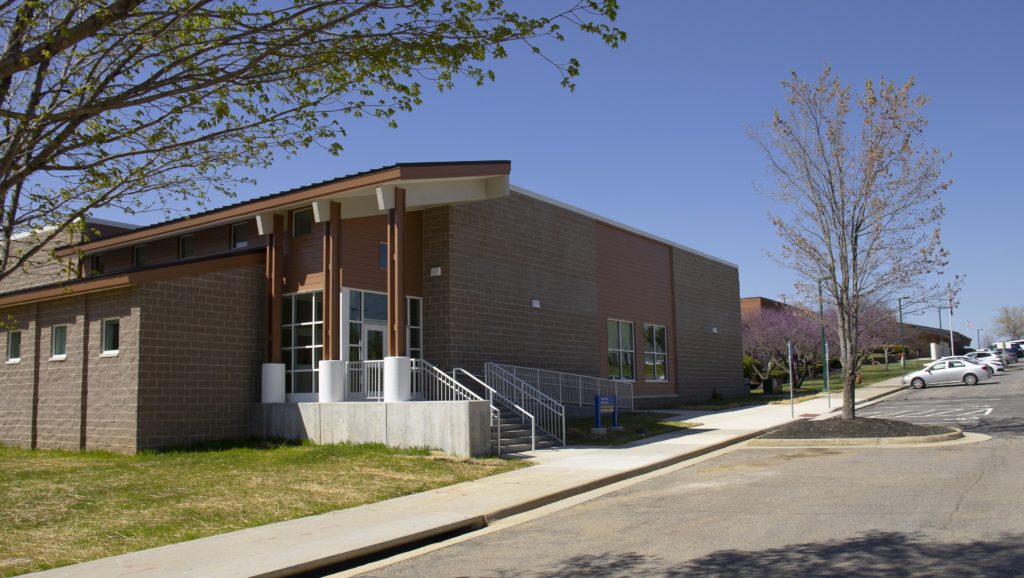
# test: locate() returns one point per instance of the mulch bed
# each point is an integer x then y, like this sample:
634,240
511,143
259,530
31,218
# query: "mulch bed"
861,427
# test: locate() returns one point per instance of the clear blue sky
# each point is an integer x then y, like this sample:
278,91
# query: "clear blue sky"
654,135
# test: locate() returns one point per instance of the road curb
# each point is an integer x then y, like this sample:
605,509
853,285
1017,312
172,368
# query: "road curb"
859,442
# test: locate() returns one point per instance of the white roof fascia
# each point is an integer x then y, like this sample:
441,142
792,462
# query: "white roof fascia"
607,221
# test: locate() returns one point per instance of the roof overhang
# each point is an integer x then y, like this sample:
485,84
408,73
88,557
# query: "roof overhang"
426,185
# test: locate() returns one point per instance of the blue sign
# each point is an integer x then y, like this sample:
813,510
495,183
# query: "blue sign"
605,404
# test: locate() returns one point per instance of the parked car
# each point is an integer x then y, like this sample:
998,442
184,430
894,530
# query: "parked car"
951,371
989,357
1008,355
985,366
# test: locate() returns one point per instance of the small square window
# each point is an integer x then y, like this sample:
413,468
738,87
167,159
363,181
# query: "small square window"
111,335
186,246
240,235
139,256
302,222
59,341
382,256
13,346
97,265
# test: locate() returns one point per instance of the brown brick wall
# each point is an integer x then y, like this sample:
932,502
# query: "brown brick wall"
635,284
501,254
60,395
202,348
17,382
42,268
111,385
707,296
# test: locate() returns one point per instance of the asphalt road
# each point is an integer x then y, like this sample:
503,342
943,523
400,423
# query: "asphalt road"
942,510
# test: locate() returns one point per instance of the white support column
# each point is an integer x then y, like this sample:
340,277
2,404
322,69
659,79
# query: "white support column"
397,379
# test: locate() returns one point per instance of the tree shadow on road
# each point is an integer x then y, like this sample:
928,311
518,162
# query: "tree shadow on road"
875,554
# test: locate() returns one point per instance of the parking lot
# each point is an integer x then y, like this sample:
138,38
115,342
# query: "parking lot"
994,407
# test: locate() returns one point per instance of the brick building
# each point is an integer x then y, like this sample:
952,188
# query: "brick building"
169,334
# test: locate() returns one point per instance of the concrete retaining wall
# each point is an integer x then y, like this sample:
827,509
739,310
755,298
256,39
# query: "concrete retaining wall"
460,428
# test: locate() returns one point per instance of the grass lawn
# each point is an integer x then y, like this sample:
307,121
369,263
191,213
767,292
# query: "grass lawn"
635,426
58,508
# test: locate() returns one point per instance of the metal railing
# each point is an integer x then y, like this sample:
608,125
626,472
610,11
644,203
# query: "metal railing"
365,380
571,388
495,398
431,384
549,414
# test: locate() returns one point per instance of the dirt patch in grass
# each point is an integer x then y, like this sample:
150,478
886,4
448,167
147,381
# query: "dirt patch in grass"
59,508
861,427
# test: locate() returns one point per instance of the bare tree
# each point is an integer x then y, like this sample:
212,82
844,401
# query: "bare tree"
1009,321
132,103
858,199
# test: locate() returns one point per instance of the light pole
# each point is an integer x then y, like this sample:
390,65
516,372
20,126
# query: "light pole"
952,347
940,332
824,345
903,342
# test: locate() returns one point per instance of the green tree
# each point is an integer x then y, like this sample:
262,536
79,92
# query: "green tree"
133,103
858,199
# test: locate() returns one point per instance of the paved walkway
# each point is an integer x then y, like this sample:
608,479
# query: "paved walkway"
306,543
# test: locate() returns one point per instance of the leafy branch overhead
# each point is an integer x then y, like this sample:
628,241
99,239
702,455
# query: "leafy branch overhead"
133,103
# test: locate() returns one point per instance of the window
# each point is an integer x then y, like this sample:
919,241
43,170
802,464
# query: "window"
240,235
139,256
302,340
186,246
414,318
97,265
369,308
58,341
382,256
111,336
13,346
655,353
302,222
620,350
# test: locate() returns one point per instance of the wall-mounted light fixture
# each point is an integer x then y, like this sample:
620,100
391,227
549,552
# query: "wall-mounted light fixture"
535,303
435,271
714,330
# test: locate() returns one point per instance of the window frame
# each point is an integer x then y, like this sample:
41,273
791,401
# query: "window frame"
54,356
620,352
382,256
105,324
8,349
316,341
139,256
191,238
96,265
233,241
295,228
655,355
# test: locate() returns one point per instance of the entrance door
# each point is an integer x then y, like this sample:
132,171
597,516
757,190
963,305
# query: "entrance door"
375,338
375,346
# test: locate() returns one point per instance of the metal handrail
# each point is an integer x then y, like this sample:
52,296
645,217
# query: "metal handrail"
493,394
572,388
428,379
549,413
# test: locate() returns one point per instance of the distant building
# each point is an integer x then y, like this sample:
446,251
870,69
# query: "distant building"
921,337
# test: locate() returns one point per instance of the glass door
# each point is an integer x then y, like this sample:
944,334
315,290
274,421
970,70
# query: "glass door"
375,340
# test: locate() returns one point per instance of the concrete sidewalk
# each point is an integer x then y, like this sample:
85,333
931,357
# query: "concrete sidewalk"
288,547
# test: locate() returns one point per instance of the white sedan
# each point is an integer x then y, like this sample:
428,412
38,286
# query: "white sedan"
951,371
987,366
989,357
